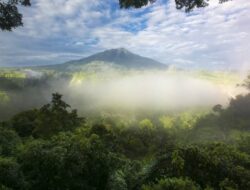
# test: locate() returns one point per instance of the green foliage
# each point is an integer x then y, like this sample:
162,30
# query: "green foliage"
2,187
207,165
146,124
177,162
223,123
134,3
188,5
247,82
240,107
10,175
66,161
53,148
9,15
54,117
228,185
24,123
9,141
244,144
4,98
48,120
185,120
117,181
172,184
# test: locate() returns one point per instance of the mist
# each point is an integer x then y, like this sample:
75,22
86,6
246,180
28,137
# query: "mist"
148,90
124,91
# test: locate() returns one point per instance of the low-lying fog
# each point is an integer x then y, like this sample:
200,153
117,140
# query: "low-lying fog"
148,90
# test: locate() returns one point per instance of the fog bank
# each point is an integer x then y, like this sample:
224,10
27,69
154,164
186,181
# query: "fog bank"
148,90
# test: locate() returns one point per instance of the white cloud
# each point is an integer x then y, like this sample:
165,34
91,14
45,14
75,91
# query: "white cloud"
216,34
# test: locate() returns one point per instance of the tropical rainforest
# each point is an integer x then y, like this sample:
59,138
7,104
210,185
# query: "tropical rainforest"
116,120
49,145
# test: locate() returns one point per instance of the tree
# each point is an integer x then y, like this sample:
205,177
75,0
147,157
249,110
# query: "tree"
10,17
56,117
246,83
216,165
218,108
188,5
172,184
9,140
134,3
25,122
10,175
67,161
47,121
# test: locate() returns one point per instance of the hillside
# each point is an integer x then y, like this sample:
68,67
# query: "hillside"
120,57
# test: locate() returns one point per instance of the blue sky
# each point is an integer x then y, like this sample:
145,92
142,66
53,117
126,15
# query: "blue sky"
56,31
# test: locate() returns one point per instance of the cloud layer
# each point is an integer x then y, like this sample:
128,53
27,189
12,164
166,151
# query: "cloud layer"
60,30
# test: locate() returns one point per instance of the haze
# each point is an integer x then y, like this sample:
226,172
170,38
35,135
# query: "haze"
149,90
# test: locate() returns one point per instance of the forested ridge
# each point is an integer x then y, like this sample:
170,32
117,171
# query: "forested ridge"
52,147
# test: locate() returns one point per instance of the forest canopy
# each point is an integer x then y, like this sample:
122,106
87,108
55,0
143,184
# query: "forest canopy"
52,147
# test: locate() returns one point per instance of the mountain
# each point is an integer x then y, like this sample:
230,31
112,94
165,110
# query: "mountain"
117,57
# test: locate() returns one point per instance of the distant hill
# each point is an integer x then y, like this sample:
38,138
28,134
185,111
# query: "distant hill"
120,57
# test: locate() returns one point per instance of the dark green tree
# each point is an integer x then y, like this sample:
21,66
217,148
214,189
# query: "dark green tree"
10,17
188,5
9,140
172,184
50,119
66,161
247,82
55,117
134,3
216,165
10,174
25,122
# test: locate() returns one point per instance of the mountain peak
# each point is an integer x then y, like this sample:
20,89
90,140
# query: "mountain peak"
118,51
121,57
